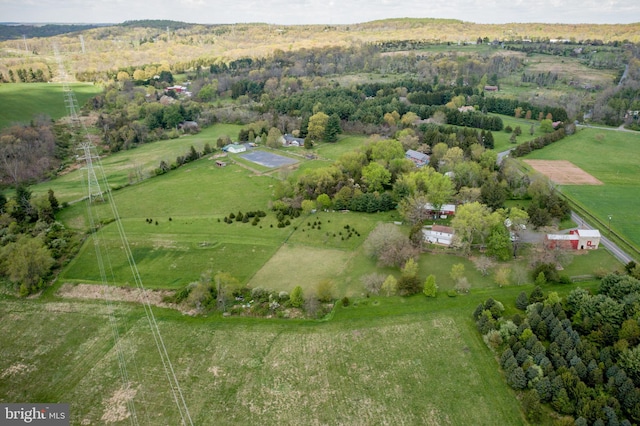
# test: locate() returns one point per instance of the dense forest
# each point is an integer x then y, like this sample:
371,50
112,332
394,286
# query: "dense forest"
579,355
18,31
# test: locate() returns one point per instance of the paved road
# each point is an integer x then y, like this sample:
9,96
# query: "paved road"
611,246
502,155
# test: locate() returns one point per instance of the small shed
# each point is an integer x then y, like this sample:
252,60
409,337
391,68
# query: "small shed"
290,140
220,163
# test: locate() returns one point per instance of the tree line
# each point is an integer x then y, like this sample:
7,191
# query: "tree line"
23,75
32,243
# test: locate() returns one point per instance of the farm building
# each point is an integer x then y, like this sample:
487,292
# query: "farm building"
419,159
588,239
579,239
179,89
490,88
439,235
234,148
467,108
445,209
561,241
290,140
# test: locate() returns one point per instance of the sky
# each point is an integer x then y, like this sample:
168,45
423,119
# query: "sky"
290,12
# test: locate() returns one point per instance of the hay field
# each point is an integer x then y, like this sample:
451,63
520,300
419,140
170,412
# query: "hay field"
423,368
298,265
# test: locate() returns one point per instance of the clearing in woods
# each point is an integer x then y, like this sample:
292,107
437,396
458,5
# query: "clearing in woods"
563,172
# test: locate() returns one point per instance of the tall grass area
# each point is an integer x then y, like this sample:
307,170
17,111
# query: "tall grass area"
21,102
428,366
613,158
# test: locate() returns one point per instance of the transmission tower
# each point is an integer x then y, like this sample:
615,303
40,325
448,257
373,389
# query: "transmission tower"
85,146
94,192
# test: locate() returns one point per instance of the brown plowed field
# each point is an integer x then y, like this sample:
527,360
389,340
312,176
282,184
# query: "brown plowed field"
563,172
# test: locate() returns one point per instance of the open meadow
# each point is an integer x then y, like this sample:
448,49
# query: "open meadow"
613,157
572,76
368,365
387,360
21,102
186,235
176,229
131,166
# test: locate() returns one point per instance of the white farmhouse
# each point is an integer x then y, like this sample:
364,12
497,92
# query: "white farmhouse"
439,234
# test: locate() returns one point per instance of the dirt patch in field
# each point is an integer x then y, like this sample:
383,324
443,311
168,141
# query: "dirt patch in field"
16,369
116,407
563,172
120,294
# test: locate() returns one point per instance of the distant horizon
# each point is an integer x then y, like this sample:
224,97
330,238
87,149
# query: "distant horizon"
42,23
320,12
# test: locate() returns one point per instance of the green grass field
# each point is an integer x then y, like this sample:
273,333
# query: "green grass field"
501,139
20,102
367,366
379,360
614,158
123,167
196,198
195,240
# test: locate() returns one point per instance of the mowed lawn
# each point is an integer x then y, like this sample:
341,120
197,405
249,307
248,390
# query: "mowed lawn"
127,167
614,158
190,237
424,367
21,102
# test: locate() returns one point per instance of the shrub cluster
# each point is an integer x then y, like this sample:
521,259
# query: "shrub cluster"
250,216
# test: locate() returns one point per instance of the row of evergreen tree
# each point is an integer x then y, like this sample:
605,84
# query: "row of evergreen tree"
23,75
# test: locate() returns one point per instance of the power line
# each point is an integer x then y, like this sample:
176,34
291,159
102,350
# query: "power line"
91,183
95,194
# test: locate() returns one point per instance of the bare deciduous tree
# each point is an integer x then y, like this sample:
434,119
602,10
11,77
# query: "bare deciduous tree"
389,246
